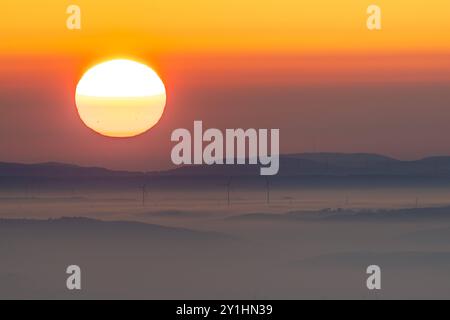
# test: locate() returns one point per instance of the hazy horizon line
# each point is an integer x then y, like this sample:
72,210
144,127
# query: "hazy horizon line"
169,168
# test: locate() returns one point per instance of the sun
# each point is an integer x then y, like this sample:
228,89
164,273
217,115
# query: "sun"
120,98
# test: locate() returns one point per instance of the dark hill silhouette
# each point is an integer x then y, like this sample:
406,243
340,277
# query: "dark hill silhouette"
305,164
330,164
353,215
91,228
54,169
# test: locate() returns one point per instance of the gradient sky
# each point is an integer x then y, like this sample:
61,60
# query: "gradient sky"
310,68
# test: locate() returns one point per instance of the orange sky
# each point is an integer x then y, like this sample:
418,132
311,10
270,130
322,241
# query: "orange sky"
224,26
310,68
319,40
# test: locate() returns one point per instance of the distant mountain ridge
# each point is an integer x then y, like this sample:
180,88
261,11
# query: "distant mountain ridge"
331,164
352,215
56,169
303,164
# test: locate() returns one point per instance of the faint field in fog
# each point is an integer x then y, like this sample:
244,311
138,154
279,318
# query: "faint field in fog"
306,242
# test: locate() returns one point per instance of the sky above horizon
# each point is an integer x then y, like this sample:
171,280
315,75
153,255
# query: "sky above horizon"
310,68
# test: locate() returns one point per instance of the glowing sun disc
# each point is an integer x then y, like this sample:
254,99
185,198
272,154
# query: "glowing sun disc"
120,98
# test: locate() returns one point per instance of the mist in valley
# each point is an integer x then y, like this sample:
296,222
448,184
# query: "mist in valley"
248,239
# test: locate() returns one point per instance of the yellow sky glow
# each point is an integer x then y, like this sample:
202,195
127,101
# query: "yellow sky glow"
224,26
